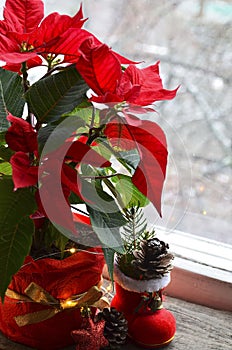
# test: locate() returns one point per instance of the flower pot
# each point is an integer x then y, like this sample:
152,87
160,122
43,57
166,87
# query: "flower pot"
61,279
147,326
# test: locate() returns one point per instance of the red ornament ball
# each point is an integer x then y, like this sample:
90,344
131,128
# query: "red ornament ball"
153,331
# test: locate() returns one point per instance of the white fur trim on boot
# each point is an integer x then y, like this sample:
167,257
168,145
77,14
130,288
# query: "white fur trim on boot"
139,286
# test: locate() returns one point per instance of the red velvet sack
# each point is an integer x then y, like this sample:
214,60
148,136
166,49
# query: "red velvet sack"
61,279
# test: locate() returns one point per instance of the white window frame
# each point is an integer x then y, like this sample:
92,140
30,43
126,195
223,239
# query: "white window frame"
202,269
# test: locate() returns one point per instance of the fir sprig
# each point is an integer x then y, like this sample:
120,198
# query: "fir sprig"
133,233
145,257
135,230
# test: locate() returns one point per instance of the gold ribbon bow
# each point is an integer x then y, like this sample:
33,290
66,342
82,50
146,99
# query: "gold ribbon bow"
35,293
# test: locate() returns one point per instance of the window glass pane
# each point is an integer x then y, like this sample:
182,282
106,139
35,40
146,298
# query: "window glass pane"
192,39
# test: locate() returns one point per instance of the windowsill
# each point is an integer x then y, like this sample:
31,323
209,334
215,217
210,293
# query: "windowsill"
202,270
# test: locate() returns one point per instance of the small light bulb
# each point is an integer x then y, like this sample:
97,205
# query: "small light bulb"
68,304
201,188
109,288
72,250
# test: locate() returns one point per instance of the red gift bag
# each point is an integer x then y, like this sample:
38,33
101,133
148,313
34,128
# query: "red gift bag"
61,279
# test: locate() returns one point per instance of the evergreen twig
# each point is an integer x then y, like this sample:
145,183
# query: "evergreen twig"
136,229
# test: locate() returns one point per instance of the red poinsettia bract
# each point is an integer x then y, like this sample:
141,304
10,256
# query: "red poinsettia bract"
150,141
101,69
23,35
21,136
58,179
23,173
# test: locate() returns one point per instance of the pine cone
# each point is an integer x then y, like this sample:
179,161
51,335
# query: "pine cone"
153,259
115,330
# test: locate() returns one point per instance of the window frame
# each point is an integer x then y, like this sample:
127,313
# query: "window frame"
202,269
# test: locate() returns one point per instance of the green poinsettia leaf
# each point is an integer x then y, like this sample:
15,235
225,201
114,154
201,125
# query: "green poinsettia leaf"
57,134
5,153
107,227
105,215
74,199
109,259
5,168
2,137
60,93
16,229
11,96
129,159
54,236
101,200
103,150
130,195
84,111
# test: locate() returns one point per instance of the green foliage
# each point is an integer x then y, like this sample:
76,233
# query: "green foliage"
106,220
98,198
75,199
84,111
5,168
54,236
135,230
5,153
11,96
2,137
57,133
133,233
109,259
55,95
105,215
16,229
129,193
129,159
102,150
107,227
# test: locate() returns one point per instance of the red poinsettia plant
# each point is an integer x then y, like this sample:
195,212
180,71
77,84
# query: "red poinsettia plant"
77,137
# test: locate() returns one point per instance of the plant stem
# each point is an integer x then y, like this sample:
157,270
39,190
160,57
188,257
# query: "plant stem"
100,176
25,76
51,70
115,193
26,86
93,117
92,130
39,236
133,226
77,209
